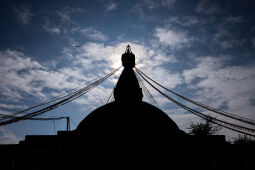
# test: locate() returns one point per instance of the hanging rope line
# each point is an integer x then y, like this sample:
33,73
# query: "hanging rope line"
111,98
143,89
61,96
54,119
206,117
146,91
223,113
75,124
48,118
68,99
72,97
148,94
54,127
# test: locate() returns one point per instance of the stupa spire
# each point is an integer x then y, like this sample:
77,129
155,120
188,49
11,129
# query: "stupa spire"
128,58
127,88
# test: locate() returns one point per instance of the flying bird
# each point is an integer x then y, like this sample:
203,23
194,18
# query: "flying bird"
77,46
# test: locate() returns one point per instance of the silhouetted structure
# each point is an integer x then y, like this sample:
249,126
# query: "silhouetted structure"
128,121
125,134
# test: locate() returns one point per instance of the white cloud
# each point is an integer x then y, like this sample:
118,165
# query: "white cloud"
91,33
7,137
164,77
52,29
205,66
23,14
20,76
229,88
98,96
207,7
14,70
111,6
219,85
3,112
11,106
171,38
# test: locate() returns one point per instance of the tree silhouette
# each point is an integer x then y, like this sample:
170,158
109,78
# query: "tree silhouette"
203,128
243,139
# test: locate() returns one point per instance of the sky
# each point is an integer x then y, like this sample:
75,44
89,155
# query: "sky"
202,49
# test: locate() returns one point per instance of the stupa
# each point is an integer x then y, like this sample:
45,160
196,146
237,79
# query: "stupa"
128,126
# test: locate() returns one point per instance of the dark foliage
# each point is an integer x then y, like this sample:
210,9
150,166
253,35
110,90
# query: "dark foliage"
203,128
243,139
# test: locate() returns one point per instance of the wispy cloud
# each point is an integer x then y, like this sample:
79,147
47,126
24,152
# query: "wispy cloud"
234,19
151,4
65,13
7,137
219,85
11,106
111,6
14,67
23,14
138,10
21,76
226,35
50,28
185,20
225,39
171,38
91,33
168,3
208,7
97,96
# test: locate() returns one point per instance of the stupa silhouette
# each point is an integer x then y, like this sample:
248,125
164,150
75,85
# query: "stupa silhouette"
128,126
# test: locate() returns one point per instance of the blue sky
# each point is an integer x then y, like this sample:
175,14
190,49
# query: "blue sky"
202,49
